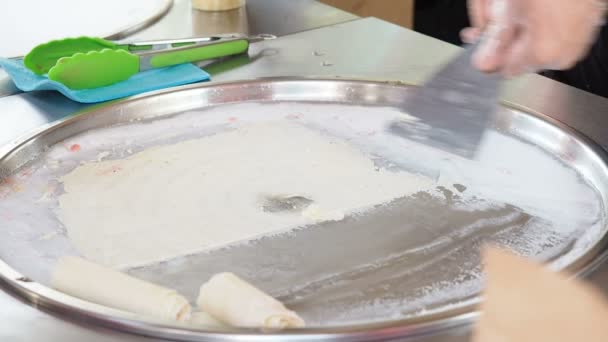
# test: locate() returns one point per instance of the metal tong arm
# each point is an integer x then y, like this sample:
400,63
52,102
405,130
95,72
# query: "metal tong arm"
185,43
173,52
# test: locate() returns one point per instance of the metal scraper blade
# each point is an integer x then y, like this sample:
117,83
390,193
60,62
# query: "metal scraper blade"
453,107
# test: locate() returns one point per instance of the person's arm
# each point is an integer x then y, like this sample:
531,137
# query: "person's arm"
530,35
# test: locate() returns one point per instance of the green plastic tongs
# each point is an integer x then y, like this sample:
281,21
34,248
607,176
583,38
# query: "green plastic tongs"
86,62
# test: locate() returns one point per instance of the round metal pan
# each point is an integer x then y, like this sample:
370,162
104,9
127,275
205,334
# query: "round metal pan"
563,144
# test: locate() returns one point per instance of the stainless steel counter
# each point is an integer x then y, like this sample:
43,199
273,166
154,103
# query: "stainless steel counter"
278,17
366,48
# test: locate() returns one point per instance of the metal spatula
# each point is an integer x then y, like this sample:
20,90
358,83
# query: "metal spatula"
453,107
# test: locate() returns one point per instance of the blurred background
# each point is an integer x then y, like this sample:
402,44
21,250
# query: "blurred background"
441,19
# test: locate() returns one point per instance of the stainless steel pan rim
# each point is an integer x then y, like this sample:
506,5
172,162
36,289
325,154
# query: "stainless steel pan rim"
361,92
127,31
